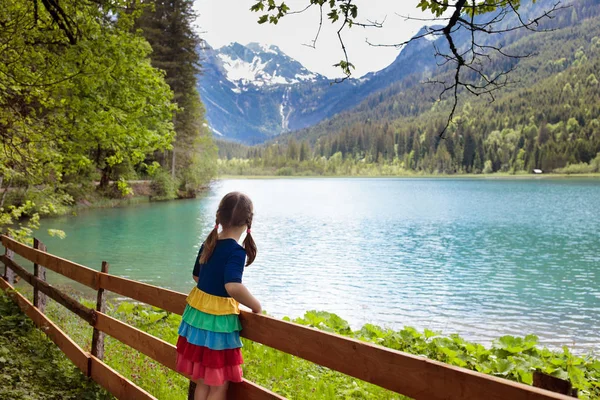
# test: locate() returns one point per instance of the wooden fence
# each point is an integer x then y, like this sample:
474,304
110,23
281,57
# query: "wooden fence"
413,376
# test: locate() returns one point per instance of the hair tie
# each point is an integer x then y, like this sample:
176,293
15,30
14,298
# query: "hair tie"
217,226
249,230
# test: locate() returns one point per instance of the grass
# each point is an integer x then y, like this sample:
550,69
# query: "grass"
32,368
510,357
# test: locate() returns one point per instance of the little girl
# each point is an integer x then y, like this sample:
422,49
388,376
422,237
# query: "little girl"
208,348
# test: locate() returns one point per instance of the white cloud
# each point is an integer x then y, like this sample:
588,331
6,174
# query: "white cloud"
224,21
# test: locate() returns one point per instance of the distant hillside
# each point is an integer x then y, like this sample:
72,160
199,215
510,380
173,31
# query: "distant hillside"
253,93
549,118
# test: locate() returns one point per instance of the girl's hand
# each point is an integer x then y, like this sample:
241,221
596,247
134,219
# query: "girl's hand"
243,295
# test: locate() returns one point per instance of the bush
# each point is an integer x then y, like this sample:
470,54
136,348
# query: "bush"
79,191
163,186
581,168
595,163
45,201
285,171
124,188
487,167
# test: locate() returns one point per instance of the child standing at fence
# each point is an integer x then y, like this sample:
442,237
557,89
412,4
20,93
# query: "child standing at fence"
208,348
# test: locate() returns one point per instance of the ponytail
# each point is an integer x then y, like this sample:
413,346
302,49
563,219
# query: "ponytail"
209,244
250,248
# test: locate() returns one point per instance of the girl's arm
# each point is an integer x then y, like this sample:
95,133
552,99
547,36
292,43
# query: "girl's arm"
195,278
241,293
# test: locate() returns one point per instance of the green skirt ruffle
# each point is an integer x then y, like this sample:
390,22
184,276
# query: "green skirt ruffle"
214,323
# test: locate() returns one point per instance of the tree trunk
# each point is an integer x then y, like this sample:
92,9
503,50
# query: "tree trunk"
173,163
6,189
105,179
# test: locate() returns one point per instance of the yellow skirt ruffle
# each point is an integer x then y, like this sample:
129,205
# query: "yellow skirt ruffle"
210,304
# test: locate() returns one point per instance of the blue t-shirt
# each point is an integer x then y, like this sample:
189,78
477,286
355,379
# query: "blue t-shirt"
225,265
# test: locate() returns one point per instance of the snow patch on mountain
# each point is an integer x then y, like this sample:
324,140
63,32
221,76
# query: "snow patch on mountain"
240,70
212,129
306,77
259,65
269,49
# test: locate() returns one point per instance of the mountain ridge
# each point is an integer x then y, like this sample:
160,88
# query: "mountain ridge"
256,92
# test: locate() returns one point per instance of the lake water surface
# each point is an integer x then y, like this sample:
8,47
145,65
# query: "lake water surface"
481,258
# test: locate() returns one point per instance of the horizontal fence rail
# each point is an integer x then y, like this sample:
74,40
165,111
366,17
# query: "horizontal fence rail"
115,383
74,271
413,376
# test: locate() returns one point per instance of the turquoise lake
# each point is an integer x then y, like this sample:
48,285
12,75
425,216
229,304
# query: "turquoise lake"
482,258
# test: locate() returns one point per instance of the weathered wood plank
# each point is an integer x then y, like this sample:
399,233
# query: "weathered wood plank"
413,376
115,383
250,391
155,348
75,353
98,336
74,271
85,313
39,299
168,300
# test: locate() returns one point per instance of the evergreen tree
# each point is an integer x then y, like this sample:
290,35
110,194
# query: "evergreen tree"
304,151
167,25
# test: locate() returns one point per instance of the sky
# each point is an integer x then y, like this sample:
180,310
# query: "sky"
221,22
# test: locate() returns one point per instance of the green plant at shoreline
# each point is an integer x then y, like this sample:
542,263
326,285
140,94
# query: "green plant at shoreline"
513,358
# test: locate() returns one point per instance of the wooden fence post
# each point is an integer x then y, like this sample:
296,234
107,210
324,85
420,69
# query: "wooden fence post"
39,299
9,274
97,336
191,390
553,384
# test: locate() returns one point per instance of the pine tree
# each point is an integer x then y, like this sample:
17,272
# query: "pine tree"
304,151
167,25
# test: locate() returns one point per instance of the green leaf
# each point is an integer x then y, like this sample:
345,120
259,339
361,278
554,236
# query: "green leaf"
526,377
504,367
333,15
258,6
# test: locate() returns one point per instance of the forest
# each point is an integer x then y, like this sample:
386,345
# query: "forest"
548,119
94,95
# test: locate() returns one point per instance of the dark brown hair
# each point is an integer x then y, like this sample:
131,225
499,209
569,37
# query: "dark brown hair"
235,210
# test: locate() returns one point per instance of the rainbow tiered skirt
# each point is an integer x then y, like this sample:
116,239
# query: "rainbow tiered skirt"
209,342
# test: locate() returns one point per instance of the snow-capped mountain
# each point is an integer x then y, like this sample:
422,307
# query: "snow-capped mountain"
255,92
260,65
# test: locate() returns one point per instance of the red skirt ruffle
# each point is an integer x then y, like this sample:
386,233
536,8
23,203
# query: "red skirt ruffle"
207,357
215,367
210,376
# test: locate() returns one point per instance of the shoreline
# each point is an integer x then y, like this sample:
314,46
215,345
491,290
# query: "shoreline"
503,176
100,202
141,198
